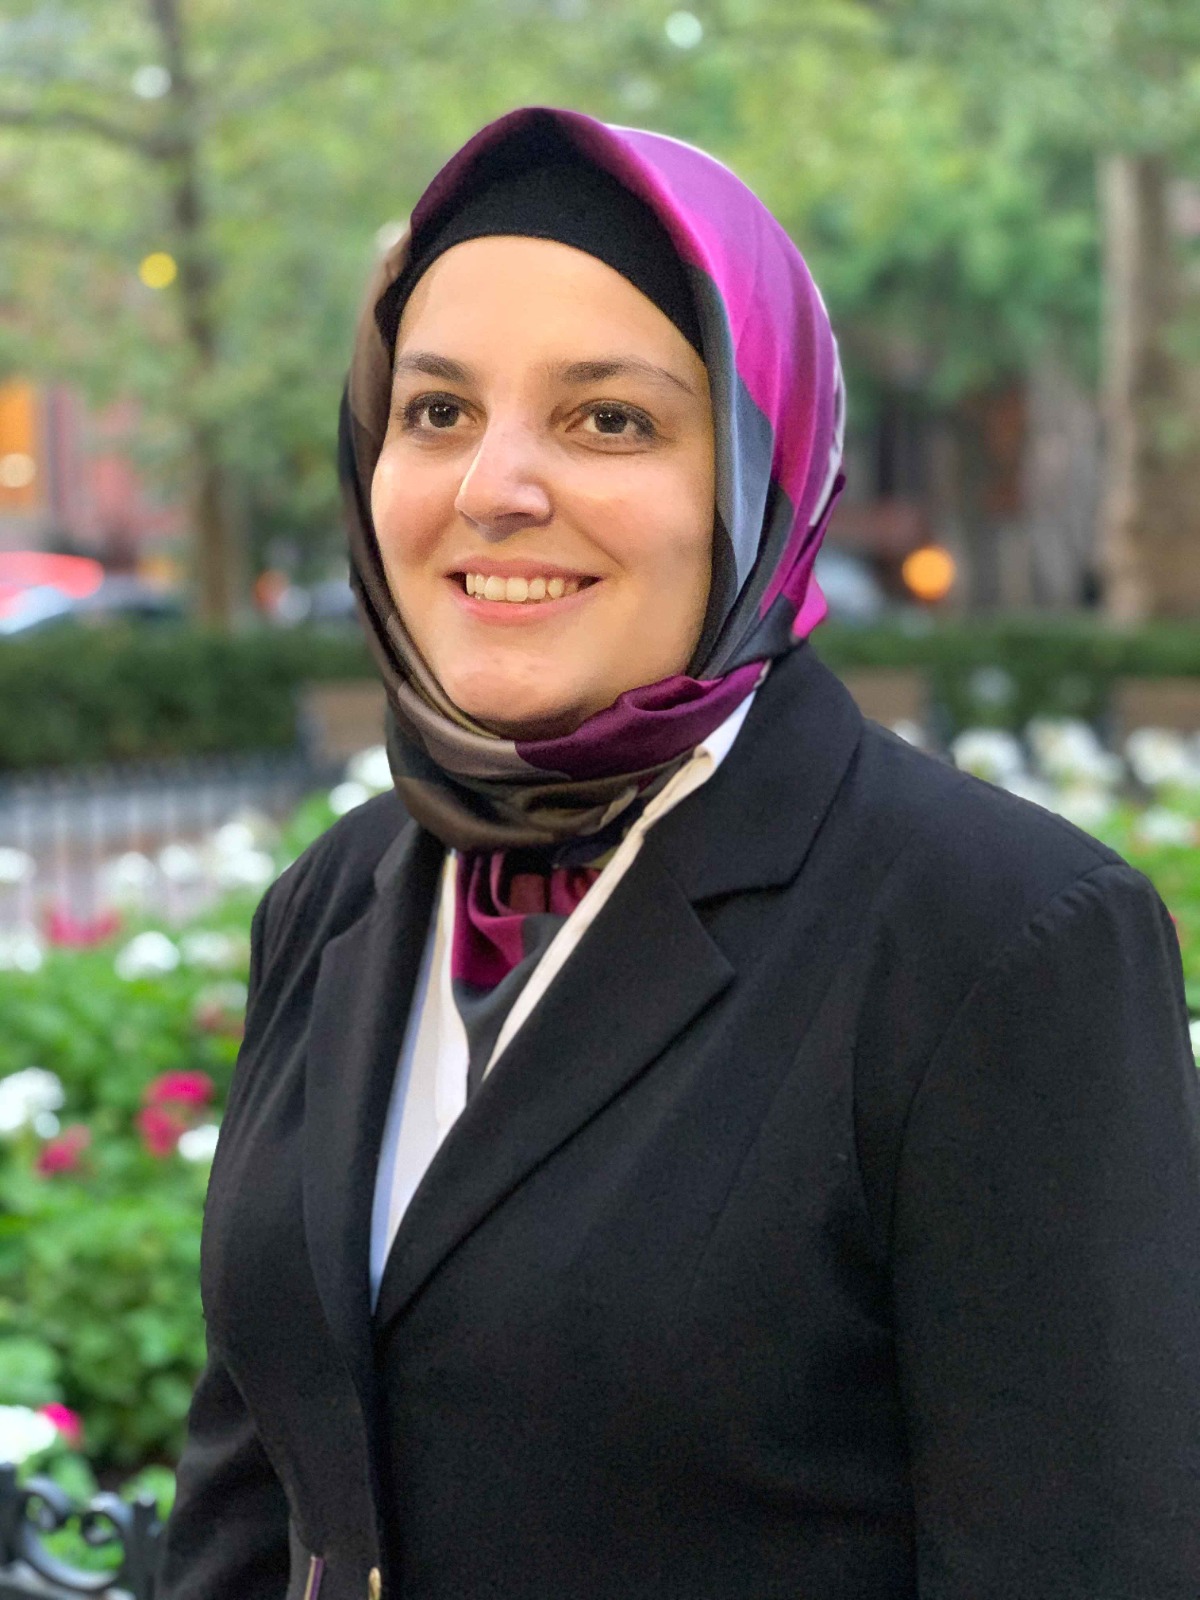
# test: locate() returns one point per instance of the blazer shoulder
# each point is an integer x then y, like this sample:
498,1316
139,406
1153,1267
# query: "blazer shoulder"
968,855
327,887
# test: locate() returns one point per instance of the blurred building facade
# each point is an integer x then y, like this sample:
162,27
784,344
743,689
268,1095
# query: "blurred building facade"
69,482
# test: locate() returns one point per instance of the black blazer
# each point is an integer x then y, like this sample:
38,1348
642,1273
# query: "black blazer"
831,1231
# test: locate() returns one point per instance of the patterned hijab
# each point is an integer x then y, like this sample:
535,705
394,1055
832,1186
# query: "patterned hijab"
531,817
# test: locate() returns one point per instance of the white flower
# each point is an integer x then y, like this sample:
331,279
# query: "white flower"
1159,756
235,855
1194,1031
988,753
1161,826
247,830
179,863
199,1144
215,952
15,865
20,951
248,869
1030,788
911,732
1088,809
26,1095
346,796
46,1125
371,768
23,1433
147,956
1068,751
129,878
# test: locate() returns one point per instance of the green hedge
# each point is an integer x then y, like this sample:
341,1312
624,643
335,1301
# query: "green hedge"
125,695
111,695
1003,671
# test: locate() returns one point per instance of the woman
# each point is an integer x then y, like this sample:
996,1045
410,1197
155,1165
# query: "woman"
686,1142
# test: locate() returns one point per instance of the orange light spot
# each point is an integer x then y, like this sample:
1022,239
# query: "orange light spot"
929,572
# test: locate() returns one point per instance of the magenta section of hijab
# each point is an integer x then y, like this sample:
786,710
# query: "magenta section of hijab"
490,916
650,724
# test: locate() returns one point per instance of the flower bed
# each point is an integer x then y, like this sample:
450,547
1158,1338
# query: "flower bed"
116,1054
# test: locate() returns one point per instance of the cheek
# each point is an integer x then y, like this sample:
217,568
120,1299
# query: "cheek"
664,534
408,510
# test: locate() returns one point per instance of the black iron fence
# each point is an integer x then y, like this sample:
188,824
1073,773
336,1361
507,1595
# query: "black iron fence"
61,833
32,1512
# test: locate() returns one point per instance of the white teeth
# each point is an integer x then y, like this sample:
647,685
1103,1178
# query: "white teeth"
519,591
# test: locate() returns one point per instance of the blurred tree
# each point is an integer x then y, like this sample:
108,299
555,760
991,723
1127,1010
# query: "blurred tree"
264,151
1118,82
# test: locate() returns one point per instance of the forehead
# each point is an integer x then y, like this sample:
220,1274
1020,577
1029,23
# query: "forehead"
539,288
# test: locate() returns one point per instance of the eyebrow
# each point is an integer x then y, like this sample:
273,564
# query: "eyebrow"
572,372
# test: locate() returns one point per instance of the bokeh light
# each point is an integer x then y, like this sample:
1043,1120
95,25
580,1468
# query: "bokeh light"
151,82
158,270
929,572
684,29
17,470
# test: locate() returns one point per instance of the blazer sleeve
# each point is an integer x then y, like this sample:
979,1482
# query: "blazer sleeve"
1046,1267
227,1534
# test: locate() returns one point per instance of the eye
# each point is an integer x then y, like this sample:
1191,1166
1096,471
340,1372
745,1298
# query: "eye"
620,422
432,413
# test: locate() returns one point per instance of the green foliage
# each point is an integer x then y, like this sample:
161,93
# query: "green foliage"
99,1301
102,695
1048,666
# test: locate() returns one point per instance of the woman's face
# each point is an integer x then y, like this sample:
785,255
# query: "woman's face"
544,498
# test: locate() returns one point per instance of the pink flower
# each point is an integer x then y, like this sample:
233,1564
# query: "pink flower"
160,1128
64,1153
79,933
69,1423
180,1088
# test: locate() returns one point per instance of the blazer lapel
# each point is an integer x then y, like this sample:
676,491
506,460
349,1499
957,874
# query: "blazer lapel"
359,1010
644,970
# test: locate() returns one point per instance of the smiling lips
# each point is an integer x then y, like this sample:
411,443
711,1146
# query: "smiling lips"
521,590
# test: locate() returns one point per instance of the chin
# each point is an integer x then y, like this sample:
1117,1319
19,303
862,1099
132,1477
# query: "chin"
519,716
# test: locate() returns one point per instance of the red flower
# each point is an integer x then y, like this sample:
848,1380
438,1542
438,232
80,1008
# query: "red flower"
69,1423
65,1153
160,1128
78,933
180,1088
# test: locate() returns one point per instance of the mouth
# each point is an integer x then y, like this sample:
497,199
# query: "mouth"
531,588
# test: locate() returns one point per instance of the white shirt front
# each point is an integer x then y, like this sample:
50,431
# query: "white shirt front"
430,1087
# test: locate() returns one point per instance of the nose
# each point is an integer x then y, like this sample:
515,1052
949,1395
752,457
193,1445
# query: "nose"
504,490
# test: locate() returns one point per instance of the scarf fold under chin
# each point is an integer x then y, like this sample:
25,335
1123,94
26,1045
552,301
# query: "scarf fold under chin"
509,905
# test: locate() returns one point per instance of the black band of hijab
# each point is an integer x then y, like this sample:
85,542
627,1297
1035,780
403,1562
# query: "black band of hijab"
537,186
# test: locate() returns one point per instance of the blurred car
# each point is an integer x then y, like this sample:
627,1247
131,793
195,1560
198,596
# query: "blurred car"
117,597
850,586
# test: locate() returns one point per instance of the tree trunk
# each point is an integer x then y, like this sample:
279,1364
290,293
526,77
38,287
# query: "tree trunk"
216,563
1150,513
1061,480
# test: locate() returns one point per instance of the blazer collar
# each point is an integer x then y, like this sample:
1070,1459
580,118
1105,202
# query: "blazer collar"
752,824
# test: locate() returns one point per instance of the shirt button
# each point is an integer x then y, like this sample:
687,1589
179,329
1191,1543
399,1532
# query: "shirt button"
374,1584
